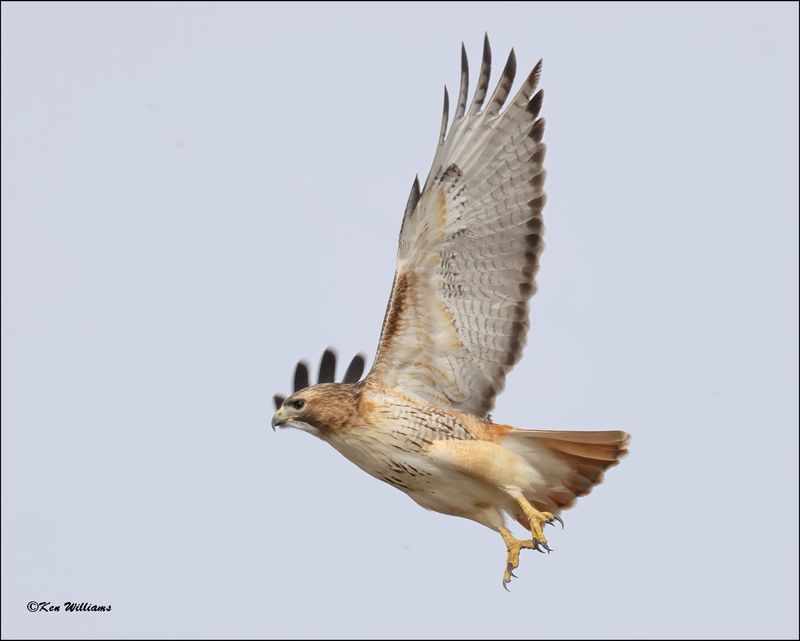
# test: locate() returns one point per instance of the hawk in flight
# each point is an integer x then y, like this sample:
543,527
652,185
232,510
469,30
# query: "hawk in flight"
455,325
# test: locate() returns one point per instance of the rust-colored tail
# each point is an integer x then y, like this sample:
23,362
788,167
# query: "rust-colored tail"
571,463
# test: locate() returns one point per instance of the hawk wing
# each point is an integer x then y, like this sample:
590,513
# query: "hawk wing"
457,317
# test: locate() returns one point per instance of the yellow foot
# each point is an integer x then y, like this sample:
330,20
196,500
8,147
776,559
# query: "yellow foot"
513,545
537,519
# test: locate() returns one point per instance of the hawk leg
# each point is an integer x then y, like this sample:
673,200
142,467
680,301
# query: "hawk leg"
513,545
537,519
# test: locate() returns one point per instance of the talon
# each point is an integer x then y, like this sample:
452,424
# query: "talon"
547,547
558,518
513,548
536,545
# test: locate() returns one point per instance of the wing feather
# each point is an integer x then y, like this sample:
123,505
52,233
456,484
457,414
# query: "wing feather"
483,78
301,379
504,86
327,367
463,88
354,370
469,247
445,114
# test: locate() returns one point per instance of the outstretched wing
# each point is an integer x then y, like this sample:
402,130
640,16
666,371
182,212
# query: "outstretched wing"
457,317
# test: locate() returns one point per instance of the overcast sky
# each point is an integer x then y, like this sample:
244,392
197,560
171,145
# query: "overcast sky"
196,196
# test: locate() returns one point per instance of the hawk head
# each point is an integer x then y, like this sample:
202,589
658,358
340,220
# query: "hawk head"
316,409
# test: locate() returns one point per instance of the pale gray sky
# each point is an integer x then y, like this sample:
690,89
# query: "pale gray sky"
195,196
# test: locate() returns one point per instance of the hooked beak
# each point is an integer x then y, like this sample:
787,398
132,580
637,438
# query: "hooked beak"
279,418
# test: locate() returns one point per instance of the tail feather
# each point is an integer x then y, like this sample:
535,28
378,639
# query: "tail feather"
572,463
593,451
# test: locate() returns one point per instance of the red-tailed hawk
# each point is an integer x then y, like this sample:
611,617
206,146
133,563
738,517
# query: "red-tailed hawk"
455,325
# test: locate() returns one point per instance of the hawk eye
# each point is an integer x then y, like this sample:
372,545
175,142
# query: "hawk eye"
297,405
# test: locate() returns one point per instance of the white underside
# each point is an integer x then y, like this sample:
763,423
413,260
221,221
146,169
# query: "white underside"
438,482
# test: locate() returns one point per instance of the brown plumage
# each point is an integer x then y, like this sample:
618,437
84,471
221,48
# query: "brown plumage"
455,325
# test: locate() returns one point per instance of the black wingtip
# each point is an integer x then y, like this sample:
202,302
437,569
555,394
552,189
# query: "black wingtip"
413,198
504,85
463,88
355,369
535,104
327,367
278,399
536,74
483,78
445,115
301,379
